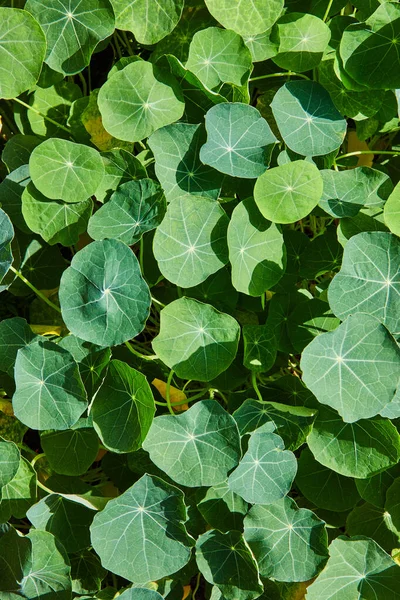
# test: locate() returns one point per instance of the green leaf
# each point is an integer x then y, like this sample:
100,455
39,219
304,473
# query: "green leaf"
266,472
307,118
64,170
357,450
369,280
123,425
196,448
138,100
289,543
86,573
9,461
11,189
342,194
246,17
49,391
375,523
196,340
219,56
225,560
392,211
71,452
120,166
15,333
256,250
140,535
134,208
288,193
352,368
73,29
22,51
177,163
6,237
259,348
222,508
239,140
103,297
148,21
18,149
14,553
374,489
138,593
190,243
262,46
18,494
392,503
55,103
357,567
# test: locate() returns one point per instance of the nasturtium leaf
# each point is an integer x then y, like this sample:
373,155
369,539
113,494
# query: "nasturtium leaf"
57,222
138,100
262,46
222,508
134,208
392,503
256,250
11,189
374,489
303,39
343,193
357,568
369,280
352,369
288,193
190,243
323,255
15,551
392,211
139,593
307,118
15,333
323,487
55,103
120,166
73,28
140,535
196,448
239,140
247,17
216,290
86,572
260,347
289,543
18,494
71,452
266,472
177,165
226,561
18,149
196,340
22,51
103,297
9,461
308,320
49,391
219,56
123,424
375,523
149,21
68,521
6,237
359,450
63,170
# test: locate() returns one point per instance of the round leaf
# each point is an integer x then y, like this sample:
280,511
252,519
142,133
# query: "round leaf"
120,166
259,348
221,508
9,461
247,17
343,193
71,452
149,21
375,523
392,211
6,237
15,333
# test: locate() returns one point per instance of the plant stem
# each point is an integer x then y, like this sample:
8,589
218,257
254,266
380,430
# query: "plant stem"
328,8
141,252
37,292
157,302
139,354
42,115
255,386
127,43
360,152
43,487
196,587
168,392
286,74
36,458
84,84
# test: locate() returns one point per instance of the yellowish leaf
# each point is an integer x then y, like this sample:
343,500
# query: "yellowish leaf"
175,394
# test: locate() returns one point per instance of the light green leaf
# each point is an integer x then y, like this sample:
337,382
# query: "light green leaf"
392,211
148,20
22,51
261,46
71,452
343,193
178,167
289,543
246,17
260,348
307,118
190,243
222,508
288,193
219,56
140,535
239,140
266,472
120,166
357,450
64,170
226,560
9,461
53,102
18,149
6,237
19,493
136,207
256,250
138,593
369,280
196,448
15,333
352,369
73,29
49,391
103,297
138,100
196,340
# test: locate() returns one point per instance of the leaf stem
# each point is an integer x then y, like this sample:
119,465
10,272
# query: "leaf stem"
168,392
42,115
139,354
43,487
196,587
84,84
157,302
360,152
36,458
286,74
328,9
255,385
141,251
37,292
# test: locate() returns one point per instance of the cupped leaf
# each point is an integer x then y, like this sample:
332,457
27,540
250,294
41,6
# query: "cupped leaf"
239,140
71,452
222,508
141,534
63,170
22,51
256,250
289,543
9,461
15,333
134,208
196,448
149,21
289,192
138,100
307,118
247,17
103,297
190,243
6,237
196,340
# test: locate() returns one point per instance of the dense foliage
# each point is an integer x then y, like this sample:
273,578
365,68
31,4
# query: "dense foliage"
200,308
